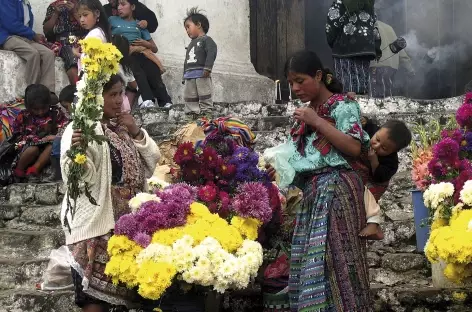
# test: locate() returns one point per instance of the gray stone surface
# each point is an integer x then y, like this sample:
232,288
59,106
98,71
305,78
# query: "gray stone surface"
403,262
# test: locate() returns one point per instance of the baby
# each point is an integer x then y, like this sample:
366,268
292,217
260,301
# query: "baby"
378,165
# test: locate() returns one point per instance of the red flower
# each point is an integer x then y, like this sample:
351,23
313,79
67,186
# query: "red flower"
207,193
226,170
191,171
210,157
185,153
213,207
225,200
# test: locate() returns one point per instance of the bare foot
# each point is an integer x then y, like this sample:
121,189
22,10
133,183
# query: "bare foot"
372,232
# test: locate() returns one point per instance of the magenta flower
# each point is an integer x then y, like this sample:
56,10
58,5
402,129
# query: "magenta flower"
447,150
142,239
252,201
464,116
207,193
126,225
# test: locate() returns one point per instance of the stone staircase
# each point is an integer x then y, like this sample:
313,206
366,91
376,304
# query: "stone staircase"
400,277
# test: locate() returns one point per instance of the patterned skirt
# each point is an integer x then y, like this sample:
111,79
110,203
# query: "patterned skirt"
353,73
328,271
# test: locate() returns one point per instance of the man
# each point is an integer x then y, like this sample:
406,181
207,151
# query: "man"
382,72
17,35
145,17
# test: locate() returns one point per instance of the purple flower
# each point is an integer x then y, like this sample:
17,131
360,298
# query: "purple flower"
436,168
464,116
466,142
447,150
126,225
142,239
252,201
240,155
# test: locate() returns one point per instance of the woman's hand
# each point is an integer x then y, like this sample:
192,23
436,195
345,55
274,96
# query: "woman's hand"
136,49
271,172
127,120
141,43
77,138
143,24
76,51
306,115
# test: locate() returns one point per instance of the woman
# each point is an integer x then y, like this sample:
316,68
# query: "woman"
350,33
115,171
62,21
328,269
146,72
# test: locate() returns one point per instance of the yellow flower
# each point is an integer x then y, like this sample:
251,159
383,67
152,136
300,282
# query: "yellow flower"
459,296
80,159
154,278
248,227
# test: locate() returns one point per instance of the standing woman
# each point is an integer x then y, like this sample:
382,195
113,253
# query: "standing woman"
116,171
351,34
328,269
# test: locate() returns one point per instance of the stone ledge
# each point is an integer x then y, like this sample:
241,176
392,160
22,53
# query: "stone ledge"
30,244
12,79
34,301
21,274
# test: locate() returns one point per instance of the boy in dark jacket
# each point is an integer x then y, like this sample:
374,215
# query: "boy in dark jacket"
17,35
199,60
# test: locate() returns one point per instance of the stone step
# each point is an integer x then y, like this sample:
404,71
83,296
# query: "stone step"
24,300
22,194
17,244
17,273
31,218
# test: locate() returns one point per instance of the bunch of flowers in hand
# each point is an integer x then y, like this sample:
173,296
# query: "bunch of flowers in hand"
173,239
101,60
227,177
422,149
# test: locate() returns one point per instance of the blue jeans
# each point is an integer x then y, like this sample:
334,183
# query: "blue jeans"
56,148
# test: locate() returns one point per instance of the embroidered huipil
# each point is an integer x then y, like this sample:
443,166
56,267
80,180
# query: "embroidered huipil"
312,150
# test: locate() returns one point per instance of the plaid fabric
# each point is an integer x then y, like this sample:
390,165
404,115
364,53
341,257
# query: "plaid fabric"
329,269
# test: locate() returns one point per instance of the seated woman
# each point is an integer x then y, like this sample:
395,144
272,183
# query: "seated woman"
60,23
146,72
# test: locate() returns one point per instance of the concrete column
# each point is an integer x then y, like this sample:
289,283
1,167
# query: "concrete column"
234,76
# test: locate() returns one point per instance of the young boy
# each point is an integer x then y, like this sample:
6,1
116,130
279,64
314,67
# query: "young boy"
199,60
380,165
66,97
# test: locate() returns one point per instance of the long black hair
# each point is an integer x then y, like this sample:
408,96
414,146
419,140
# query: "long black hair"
122,44
114,79
95,5
37,96
308,63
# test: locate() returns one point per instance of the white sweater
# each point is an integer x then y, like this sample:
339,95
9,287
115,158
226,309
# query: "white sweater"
89,220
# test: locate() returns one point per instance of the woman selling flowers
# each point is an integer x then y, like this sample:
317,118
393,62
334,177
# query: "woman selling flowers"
114,171
328,269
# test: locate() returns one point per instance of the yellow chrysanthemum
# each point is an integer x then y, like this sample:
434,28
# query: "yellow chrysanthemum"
154,278
80,159
459,296
248,227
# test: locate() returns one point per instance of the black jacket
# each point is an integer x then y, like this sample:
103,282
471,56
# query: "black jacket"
141,13
351,34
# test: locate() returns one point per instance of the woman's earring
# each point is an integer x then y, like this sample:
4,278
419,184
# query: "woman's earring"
98,19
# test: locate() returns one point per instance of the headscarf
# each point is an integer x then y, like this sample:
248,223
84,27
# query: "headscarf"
354,6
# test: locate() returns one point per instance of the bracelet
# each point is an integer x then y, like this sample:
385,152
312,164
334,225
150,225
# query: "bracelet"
137,133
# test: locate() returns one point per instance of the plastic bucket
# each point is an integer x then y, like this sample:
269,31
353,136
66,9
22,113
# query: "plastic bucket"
421,220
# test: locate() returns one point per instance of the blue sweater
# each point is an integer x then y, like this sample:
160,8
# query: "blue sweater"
12,19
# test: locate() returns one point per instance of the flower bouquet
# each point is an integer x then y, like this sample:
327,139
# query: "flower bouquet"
449,198
170,238
100,62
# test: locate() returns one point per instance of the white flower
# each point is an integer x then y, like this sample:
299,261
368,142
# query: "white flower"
156,252
466,193
140,198
437,193
156,183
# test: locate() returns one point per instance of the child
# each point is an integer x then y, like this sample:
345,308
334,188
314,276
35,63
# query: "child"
129,97
380,165
93,19
35,128
199,60
145,69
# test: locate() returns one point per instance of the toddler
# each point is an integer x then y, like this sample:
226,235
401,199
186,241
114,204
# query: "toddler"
199,60
35,129
378,165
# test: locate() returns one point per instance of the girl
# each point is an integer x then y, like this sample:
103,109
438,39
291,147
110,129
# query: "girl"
116,171
94,20
126,73
352,36
147,73
36,128
328,270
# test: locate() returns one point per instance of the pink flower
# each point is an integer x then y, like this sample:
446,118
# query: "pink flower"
184,153
447,150
252,201
207,193
464,116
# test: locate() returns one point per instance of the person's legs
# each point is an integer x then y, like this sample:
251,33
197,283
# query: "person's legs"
140,77
26,51
42,160
48,71
204,90
191,97
27,157
70,64
154,78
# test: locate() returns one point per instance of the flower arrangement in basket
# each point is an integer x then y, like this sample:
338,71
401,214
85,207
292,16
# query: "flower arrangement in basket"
422,149
201,230
449,198
100,62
